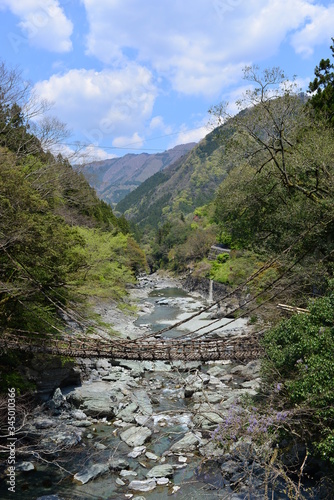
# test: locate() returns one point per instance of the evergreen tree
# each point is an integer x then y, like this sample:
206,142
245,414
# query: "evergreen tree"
322,88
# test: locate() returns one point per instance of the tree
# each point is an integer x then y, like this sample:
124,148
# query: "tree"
280,187
267,127
20,107
322,89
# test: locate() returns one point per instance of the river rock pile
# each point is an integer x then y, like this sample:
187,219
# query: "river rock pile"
142,404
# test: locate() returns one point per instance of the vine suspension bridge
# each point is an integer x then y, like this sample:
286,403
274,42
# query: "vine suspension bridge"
139,349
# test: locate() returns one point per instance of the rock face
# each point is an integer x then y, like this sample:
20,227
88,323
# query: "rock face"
202,286
50,373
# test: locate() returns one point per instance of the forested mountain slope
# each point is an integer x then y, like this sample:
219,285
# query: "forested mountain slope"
113,179
60,245
186,184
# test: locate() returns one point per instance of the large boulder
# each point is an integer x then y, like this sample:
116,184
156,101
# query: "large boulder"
187,444
90,473
135,436
164,470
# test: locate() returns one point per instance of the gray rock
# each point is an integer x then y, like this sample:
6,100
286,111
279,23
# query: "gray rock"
81,423
195,383
50,497
217,371
78,415
142,399
210,450
103,364
99,407
98,399
226,378
118,464
188,443
24,466
229,468
147,485
135,436
91,473
161,481
211,397
250,371
100,446
252,384
164,470
58,399
142,419
110,378
119,482
188,366
63,438
207,419
235,396
137,451
127,414
136,366
44,423
197,379
127,473
157,366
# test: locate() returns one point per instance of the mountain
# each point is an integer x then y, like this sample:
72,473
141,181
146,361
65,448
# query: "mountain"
113,179
188,183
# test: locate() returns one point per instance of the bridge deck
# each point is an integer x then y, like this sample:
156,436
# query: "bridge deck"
140,349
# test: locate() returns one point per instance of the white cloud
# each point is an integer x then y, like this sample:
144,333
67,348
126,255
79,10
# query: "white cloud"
102,105
200,46
318,30
42,22
134,141
187,135
92,153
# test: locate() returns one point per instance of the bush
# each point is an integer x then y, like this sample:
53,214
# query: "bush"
300,358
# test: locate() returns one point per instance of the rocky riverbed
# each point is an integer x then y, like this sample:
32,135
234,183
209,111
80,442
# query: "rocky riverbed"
141,430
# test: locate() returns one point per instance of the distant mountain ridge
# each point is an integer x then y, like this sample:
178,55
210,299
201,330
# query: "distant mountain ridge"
114,178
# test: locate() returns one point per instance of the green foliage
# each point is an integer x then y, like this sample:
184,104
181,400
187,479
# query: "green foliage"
106,272
322,89
195,248
300,357
37,251
223,257
235,268
10,376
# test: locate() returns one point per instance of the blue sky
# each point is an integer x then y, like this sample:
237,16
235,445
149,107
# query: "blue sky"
140,75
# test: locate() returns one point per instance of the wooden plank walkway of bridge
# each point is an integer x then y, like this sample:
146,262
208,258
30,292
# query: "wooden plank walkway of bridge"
244,349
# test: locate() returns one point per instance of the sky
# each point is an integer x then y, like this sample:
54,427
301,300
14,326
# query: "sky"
132,76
